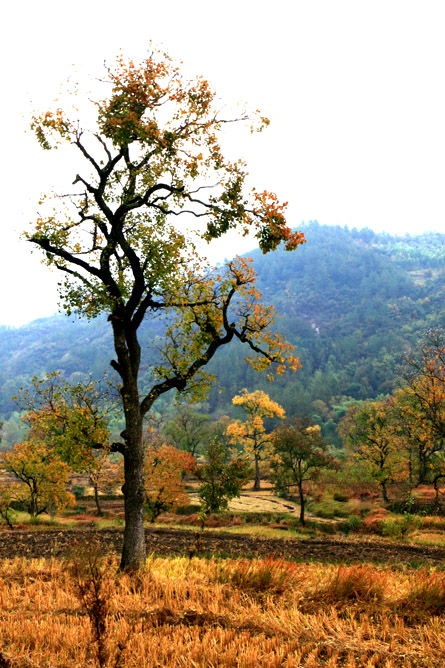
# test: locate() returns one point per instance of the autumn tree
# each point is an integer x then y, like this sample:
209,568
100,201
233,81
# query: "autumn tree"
299,455
420,409
9,495
103,474
424,376
369,435
164,468
42,476
72,421
251,434
152,159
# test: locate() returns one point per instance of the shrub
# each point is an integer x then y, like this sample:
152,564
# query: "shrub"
400,527
373,523
352,524
342,498
79,491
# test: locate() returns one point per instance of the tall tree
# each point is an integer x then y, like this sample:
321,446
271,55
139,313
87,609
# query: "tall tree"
153,156
251,433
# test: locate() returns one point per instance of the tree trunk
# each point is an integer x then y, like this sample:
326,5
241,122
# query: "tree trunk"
128,354
257,484
300,490
133,551
96,500
384,491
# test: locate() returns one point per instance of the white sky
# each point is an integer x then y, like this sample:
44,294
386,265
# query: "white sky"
354,90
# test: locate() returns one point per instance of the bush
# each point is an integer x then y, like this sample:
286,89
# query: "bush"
352,525
342,498
400,527
79,492
191,509
329,509
374,522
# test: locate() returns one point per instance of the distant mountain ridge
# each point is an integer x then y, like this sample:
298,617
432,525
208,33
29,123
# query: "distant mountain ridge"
351,300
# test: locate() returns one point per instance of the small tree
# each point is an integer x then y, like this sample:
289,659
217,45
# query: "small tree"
188,430
251,434
222,475
42,474
104,475
299,454
164,468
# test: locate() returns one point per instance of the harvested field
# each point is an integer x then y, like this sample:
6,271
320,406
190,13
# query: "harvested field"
211,613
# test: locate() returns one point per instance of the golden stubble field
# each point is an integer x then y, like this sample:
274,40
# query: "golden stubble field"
190,613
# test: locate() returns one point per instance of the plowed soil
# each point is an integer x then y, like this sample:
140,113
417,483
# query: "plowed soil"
166,541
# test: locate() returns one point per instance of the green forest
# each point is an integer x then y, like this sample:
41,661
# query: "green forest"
351,301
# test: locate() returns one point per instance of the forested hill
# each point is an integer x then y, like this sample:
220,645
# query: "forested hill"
350,300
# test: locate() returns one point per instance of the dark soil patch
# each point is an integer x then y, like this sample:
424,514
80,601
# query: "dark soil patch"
35,544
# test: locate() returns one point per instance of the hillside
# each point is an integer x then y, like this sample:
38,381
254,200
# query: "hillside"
350,300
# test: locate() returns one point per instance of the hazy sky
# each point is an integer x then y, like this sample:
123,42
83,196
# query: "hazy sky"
354,90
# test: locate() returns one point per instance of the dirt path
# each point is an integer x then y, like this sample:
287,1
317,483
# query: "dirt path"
35,544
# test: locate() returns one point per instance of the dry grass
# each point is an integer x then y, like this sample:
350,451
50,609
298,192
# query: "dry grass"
224,613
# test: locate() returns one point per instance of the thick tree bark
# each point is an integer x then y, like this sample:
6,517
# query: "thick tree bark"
133,551
128,355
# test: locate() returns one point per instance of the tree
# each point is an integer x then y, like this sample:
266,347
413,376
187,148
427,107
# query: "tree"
188,430
367,430
152,156
424,374
251,434
420,408
72,419
299,453
9,495
165,467
42,474
222,475
103,474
